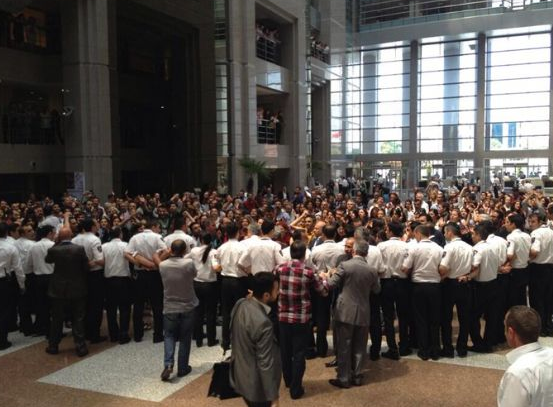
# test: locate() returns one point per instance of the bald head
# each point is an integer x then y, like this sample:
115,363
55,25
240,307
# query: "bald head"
65,234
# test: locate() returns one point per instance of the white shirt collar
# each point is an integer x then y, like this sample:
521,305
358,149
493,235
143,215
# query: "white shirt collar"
516,353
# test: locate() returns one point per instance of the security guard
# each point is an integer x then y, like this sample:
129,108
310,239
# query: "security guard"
423,262
180,233
9,260
485,302
142,247
96,282
26,301
234,282
541,271
456,265
394,296
118,286
518,254
43,274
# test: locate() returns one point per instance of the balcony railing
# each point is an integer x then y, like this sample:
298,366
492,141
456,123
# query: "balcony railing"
268,49
321,52
28,127
24,35
267,132
378,11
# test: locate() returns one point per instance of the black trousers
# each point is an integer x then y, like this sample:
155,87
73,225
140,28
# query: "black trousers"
118,297
12,321
322,322
485,304
503,287
77,309
27,305
541,293
232,289
258,403
148,287
96,295
42,322
375,329
207,309
517,287
6,301
455,294
426,312
352,347
294,339
394,299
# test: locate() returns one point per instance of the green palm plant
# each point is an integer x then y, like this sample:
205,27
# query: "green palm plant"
255,169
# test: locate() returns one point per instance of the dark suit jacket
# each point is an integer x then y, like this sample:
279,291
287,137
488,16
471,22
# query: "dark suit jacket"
255,361
357,281
69,280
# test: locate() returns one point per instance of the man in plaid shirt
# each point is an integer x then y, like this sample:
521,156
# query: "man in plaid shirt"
294,313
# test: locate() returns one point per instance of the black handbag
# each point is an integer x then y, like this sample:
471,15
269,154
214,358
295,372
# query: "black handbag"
220,381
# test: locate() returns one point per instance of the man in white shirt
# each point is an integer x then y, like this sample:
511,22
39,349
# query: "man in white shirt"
263,255
96,282
528,382
180,234
23,244
518,253
118,286
43,274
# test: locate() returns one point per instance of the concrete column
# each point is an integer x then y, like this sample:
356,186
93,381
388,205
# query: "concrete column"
89,66
450,129
321,132
550,170
479,141
369,102
412,175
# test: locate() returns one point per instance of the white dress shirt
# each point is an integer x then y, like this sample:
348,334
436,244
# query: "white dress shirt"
92,247
263,255
179,234
115,263
424,260
518,244
325,255
542,243
393,253
23,246
457,258
9,261
499,246
205,272
487,259
227,256
146,244
374,260
528,382
37,254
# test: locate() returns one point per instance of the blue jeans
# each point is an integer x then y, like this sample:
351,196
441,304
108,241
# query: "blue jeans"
178,327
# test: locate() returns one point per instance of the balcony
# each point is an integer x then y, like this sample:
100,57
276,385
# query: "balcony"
268,45
30,34
268,131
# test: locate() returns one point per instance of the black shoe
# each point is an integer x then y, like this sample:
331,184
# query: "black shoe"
390,354
462,353
357,381
480,349
5,345
113,340
124,340
138,339
446,353
185,371
166,374
52,350
435,356
98,339
310,354
297,395
212,343
422,355
374,356
158,339
199,343
405,352
339,383
332,363
81,350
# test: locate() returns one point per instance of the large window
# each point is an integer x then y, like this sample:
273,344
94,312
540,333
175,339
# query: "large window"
447,96
518,92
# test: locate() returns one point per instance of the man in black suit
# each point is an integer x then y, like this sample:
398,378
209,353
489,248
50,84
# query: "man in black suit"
67,290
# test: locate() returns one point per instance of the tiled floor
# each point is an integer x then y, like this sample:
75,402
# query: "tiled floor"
128,375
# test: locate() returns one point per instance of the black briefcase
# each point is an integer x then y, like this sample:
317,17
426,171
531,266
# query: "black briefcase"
220,381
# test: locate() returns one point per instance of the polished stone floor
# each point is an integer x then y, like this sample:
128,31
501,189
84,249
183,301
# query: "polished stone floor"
128,375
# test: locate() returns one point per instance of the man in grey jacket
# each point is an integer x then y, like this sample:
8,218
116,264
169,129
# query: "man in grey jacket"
255,363
352,313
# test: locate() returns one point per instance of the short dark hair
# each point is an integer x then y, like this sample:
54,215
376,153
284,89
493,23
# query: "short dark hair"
44,231
178,247
232,230
395,228
488,224
349,230
179,223
453,228
297,235
540,217
115,233
87,224
3,229
297,250
424,230
517,220
525,321
482,231
262,283
329,231
267,226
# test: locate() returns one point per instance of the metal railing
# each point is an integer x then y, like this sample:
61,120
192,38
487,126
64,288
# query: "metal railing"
268,49
31,128
20,34
378,11
321,52
267,132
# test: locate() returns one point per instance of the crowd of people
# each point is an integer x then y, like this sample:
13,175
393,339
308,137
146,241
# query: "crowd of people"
362,259
320,50
268,43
